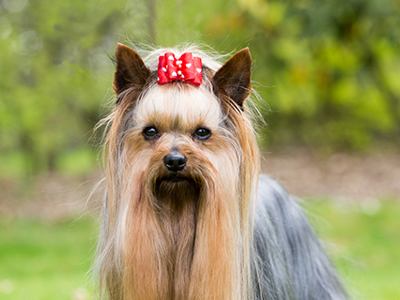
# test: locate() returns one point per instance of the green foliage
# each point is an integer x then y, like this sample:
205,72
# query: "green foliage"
77,162
327,69
328,62
55,75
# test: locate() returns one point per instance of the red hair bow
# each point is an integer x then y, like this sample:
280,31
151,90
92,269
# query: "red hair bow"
187,69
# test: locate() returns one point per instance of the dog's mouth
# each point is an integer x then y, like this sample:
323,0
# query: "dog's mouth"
177,186
174,178
174,181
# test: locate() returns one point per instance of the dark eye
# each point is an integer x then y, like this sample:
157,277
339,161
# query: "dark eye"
150,132
202,133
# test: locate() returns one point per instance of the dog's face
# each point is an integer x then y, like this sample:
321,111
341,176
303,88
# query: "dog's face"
179,135
178,132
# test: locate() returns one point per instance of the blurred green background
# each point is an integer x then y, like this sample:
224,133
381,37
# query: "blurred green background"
327,70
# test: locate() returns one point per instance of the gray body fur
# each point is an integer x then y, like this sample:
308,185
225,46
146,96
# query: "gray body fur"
288,260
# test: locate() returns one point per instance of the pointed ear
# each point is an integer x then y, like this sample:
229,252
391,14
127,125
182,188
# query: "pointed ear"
131,70
233,78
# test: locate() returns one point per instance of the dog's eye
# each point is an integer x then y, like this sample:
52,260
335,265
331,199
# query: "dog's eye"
202,133
150,132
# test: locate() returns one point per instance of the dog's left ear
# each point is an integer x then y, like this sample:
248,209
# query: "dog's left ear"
233,78
131,70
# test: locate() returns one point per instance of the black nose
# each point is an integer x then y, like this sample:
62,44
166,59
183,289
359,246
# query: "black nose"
175,161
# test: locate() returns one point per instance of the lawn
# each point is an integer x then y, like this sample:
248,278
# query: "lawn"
46,260
50,260
364,240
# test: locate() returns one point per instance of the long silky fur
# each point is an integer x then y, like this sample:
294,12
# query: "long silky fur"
225,234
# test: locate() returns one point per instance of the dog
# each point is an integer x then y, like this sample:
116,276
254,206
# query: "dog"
187,214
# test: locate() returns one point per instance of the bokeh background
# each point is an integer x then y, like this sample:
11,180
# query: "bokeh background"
328,72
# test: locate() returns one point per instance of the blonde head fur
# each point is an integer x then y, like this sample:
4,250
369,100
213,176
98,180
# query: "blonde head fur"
184,233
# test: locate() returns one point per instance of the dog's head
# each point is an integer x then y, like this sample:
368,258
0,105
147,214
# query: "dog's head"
179,135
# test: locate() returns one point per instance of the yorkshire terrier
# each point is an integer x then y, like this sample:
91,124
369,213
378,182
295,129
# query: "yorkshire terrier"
187,214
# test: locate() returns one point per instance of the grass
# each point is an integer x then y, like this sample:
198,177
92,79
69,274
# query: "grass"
364,242
45,260
49,260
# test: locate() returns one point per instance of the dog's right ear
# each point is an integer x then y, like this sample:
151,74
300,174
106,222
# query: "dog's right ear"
131,70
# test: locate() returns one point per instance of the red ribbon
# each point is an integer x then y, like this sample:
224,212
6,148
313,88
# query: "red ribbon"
186,68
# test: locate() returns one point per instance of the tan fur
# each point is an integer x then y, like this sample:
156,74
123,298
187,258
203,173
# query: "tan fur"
178,240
